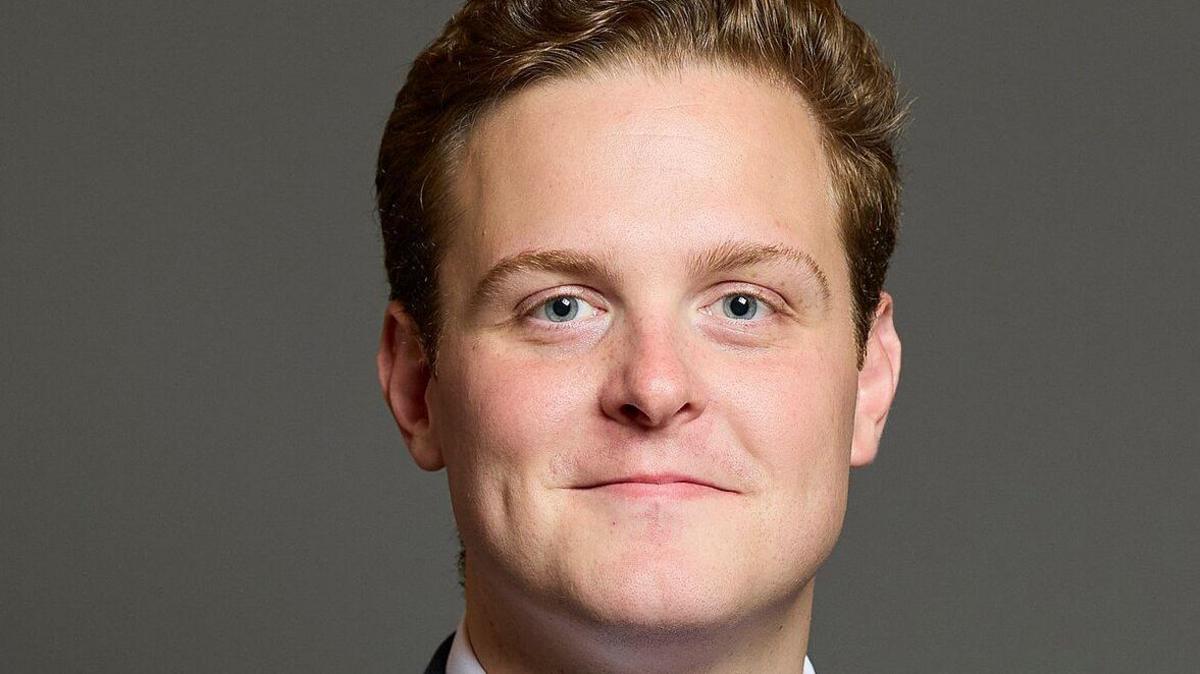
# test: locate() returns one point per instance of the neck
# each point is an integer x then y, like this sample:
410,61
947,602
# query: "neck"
510,634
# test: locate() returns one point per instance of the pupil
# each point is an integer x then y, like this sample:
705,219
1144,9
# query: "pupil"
741,305
561,307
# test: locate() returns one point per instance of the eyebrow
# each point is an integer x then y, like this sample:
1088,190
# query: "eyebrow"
567,262
733,255
725,257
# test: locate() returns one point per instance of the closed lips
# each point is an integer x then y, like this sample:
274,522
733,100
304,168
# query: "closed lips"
656,479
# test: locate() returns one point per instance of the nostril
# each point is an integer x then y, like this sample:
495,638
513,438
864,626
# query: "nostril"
633,412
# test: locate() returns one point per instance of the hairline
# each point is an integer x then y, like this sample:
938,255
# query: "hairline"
454,149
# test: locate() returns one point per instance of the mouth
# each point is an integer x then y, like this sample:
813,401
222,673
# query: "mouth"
657,486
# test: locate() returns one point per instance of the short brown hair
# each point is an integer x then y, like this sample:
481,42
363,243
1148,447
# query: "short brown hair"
492,49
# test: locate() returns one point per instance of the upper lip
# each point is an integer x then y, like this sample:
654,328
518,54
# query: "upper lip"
656,478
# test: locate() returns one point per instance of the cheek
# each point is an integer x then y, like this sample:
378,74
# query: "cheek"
796,422
503,415
795,416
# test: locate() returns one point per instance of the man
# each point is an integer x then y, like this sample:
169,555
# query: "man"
636,251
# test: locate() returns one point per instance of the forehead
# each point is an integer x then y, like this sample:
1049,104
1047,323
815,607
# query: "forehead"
642,166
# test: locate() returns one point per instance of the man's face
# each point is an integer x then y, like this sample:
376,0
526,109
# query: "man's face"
649,424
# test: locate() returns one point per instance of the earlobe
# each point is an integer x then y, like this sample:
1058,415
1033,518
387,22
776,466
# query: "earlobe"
877,383
404,376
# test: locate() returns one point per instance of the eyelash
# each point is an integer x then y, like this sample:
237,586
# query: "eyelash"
529,314
552,325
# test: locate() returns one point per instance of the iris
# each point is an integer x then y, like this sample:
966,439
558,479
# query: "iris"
562,309
740,306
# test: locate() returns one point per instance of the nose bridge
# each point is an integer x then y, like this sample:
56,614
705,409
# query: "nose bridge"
653,378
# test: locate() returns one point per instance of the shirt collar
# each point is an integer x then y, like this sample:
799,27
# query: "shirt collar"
462,658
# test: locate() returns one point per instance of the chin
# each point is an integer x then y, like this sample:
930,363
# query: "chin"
693,588
656,592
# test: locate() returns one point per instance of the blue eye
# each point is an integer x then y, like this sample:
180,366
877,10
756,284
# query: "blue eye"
561,309
740,306
564,308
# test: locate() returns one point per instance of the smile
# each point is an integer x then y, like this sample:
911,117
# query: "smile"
657,486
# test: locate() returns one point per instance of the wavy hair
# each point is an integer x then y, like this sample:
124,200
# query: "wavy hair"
492,49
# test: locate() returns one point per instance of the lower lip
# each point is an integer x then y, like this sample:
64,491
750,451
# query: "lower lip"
672,490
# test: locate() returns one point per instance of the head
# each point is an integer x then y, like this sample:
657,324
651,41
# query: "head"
636,252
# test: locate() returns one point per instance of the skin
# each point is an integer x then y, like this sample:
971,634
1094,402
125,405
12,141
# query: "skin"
662,366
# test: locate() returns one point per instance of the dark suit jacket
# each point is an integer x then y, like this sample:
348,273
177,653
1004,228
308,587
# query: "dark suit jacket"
438,664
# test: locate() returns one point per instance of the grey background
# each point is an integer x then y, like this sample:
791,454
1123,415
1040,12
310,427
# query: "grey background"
199,475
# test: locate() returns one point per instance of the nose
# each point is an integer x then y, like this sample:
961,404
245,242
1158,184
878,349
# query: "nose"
653,381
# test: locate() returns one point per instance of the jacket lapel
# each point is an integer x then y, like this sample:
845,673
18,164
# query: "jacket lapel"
438,664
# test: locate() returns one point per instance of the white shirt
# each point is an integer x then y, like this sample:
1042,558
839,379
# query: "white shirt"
462,659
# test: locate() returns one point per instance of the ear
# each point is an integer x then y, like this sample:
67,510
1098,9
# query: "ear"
877,382
404,376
